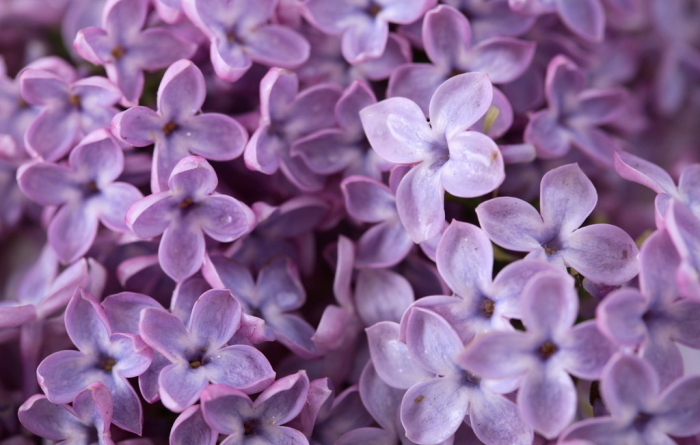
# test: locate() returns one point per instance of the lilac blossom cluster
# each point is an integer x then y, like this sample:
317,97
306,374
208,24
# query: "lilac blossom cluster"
340,222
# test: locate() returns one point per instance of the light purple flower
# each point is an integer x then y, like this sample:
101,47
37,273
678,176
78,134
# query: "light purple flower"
286,116
176,129
447,157
440,394
653,319
639,411
344,149
574,114
69,110
87,421
101,357
602,253
542,358
447,38
125,50
585,18
185,213
274,296
364,24
198,353
240,35
85,190
230,412
481,304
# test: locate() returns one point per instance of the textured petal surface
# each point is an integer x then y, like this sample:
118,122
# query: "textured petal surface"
419,201
459,102
547,401
432,411
475,166
464,258
511,223
391,358
240,366
567,197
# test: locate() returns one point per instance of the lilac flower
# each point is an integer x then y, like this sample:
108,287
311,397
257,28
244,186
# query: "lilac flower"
439,393
15,114
286,117
125,50
345,149
176,129
573,115
101,357
464,259
653,319
240,35
364,24
273,296
230,412
198,352
69,110
542,358
585,18
684,229
447,37
386,243
86,191
634,168
640,412
601,252
86,421
465,163
185,213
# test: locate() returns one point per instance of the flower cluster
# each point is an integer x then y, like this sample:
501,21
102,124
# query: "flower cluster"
342,222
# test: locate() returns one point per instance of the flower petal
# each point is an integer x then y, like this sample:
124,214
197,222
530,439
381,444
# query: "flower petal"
381,295
190,427
215,318
419,201
181,386
567,197
397,130
240,366
475,166
431,411
465,259
225,218
602,253
619,316
431,341
504,59
283,400
495,419
511,223
276,45
181,250
547,400
459,102
586,18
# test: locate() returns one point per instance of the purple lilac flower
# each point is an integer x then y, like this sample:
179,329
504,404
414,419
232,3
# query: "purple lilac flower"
184,213
232,413
574,115
176,129
640,412
440,393
199,354
70,109
86,191
125,50
652,319
601,252
492,18
274,296
447,37
541,358
240,35
364,24
585,18
286,117
480,304
86,421
101,357
465,163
